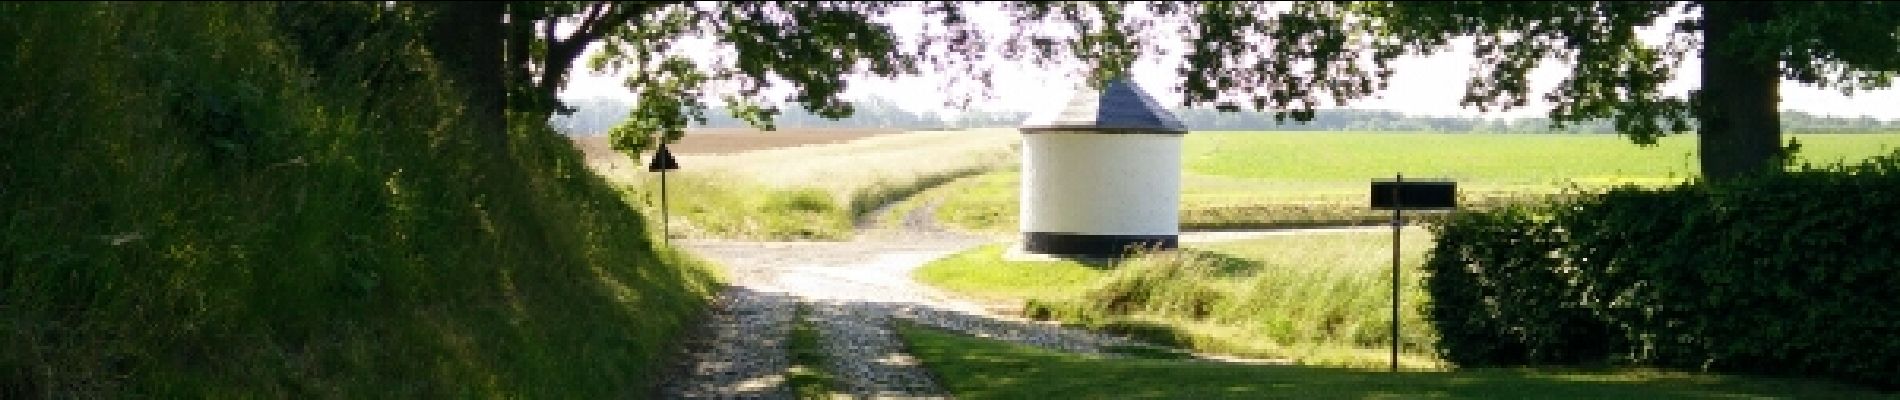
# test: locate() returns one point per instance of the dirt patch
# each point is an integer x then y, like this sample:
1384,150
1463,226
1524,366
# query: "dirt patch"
731,141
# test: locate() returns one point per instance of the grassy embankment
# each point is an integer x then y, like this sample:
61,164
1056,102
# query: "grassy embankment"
1315,299
1279,179
813,192
974,368
196,206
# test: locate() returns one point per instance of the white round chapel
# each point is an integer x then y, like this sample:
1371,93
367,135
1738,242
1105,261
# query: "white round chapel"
1101,174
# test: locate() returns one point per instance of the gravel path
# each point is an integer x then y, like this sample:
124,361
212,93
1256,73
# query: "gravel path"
855,290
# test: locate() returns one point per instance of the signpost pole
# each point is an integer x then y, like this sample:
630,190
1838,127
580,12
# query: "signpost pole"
1397,222
1401,195
666,219
662,162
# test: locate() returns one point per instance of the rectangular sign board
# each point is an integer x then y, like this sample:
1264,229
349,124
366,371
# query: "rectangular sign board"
1414,195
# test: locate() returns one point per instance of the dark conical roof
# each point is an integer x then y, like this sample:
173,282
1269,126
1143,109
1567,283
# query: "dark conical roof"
1119,107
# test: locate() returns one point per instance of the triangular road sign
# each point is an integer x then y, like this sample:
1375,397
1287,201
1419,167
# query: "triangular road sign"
663,160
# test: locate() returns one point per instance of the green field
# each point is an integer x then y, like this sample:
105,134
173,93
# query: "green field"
1278,179
974,368
1551,159
1316,299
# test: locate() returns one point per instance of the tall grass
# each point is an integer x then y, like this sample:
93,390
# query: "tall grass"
197,206
820,191
1318,299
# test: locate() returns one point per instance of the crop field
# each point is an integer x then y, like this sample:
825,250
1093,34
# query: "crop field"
814,184
1547,159
1280,179
812,190
734,141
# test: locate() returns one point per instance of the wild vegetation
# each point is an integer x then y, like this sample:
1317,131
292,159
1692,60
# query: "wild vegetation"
1320,299
211,200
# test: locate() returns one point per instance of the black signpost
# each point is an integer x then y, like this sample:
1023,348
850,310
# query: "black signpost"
662,162
1398,195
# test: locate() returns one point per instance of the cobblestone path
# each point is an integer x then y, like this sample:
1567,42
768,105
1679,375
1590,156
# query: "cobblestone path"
854,291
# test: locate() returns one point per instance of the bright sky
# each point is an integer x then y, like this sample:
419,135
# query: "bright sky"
1421,86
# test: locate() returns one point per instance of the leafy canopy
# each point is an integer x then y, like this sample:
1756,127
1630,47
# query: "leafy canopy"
1288,58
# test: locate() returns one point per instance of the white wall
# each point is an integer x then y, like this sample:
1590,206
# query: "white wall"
1102,184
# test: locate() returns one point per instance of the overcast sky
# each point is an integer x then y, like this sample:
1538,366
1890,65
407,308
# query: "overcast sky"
1421,86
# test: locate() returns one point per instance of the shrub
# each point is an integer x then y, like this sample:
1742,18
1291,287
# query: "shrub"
1782,273
1502,295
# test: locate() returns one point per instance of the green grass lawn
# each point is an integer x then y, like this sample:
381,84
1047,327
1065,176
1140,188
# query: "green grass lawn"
983,274
1279,179
1316,299
974,368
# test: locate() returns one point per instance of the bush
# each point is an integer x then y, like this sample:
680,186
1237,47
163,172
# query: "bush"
1502,295
1783,273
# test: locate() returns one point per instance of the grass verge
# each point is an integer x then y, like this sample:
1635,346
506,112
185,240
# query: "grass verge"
808,375
1316,299
974,368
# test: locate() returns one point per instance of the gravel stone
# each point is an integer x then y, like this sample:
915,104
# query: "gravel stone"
855,290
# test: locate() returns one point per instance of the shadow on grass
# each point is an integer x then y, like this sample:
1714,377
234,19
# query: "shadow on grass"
978,369
1224,265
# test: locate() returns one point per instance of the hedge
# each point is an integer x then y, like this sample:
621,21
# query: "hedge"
1787,273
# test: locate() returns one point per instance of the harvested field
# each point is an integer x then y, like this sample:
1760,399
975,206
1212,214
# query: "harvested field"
809,191
733,141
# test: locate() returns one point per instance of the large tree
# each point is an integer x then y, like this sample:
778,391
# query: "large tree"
512,58
1289,58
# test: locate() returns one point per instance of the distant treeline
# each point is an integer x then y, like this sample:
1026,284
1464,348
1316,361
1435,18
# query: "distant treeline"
597,115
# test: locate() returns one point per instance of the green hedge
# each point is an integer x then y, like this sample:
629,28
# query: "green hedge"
1790,273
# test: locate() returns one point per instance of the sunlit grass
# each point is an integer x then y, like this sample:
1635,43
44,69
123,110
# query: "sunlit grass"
982,273
1319,299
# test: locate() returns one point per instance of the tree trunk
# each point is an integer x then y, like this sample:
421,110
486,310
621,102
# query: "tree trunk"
1739,126
467,39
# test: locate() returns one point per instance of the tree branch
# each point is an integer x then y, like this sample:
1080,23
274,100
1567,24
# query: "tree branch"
561,53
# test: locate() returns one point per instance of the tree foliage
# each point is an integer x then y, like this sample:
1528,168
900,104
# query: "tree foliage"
1287,58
